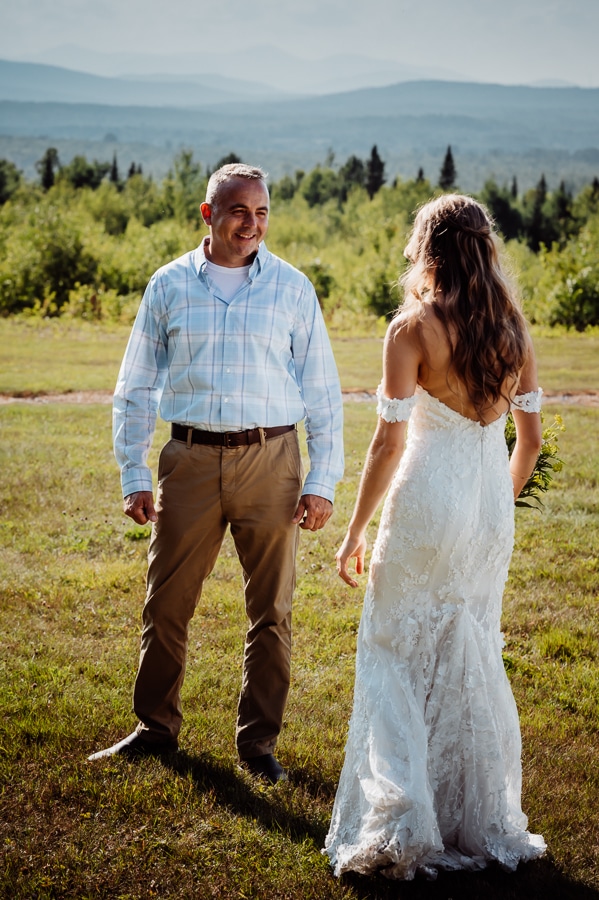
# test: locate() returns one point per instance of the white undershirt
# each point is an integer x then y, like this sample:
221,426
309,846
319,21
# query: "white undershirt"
228,281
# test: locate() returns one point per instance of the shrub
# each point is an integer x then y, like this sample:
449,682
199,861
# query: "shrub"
43,260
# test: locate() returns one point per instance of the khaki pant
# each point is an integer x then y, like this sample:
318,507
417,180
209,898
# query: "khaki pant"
255,490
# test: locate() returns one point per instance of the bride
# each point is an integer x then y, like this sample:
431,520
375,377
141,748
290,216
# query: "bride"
432,772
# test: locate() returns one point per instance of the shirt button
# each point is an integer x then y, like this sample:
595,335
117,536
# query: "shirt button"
226,399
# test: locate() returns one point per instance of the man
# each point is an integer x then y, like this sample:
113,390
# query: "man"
230,345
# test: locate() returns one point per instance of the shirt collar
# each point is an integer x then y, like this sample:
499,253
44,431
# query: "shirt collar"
199,257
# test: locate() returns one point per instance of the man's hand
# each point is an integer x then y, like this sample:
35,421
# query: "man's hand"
140,507
313,512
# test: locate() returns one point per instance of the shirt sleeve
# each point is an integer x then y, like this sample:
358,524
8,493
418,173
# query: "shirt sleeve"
137,394
318,381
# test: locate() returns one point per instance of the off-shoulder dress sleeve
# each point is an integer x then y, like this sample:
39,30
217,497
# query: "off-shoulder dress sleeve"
394,410
530,402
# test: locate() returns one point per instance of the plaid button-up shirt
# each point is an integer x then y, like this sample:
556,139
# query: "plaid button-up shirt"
262,359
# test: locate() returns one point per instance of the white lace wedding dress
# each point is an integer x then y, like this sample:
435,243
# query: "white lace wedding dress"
432,772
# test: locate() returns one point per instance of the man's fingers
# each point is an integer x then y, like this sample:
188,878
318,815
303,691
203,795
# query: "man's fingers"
318,512
151,512
299,513
140,507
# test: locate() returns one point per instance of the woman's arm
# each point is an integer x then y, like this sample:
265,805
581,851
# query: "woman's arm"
401,358
529,430
381,462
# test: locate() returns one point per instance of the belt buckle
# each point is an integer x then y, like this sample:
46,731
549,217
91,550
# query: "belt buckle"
228,436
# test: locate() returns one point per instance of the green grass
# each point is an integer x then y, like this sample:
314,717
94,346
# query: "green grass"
71,586
50,355
568,360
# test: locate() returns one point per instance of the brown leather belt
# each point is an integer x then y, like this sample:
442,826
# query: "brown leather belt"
226,438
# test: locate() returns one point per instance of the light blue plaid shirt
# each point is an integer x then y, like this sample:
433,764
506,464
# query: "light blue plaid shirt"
261,360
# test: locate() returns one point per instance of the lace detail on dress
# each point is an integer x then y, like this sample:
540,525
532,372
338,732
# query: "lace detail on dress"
394,410
530,402
432,772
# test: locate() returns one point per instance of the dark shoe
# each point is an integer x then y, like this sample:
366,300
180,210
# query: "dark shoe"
136,745
265,767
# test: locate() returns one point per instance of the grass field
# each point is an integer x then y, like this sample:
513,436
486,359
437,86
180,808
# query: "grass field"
50,355
72,583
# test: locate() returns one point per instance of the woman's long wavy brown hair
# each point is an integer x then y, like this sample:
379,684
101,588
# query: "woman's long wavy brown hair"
454,264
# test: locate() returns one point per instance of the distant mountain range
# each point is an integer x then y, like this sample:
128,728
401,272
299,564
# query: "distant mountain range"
49,100
214,115
31,82
280,70
38,83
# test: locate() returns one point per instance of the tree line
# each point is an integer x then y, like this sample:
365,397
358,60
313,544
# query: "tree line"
84,237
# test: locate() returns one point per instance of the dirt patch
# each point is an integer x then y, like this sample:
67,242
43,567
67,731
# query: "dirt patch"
68,397
572,398
353,395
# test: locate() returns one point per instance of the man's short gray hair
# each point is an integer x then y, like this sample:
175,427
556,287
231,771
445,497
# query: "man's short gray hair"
232,170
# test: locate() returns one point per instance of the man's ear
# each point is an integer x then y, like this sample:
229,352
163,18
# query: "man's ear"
206,211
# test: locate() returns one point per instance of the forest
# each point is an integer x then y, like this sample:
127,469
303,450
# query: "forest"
82,239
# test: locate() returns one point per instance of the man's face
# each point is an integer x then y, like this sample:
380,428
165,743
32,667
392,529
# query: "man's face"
238,221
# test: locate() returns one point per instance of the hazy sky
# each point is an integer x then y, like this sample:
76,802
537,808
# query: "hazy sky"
508,41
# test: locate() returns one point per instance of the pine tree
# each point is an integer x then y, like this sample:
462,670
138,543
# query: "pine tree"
420,176
514,189
537,230
351,173
10,178
448,174
228,160
502,208
375,173
114,171
46,167
319,186
81,173
563,203
284,189
188,185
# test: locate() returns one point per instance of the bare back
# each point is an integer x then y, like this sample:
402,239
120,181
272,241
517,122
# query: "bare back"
437,377
419,352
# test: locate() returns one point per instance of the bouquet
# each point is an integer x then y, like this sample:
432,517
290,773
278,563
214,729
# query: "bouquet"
548,462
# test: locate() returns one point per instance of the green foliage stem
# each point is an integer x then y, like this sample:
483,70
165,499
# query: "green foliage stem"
548,461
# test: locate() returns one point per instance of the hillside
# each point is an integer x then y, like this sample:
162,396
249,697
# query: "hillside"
411,122
32,82
278,67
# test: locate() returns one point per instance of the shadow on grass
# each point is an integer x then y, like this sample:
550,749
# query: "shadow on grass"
242,796
538,880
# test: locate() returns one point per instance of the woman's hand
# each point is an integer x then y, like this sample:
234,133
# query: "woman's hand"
353,547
